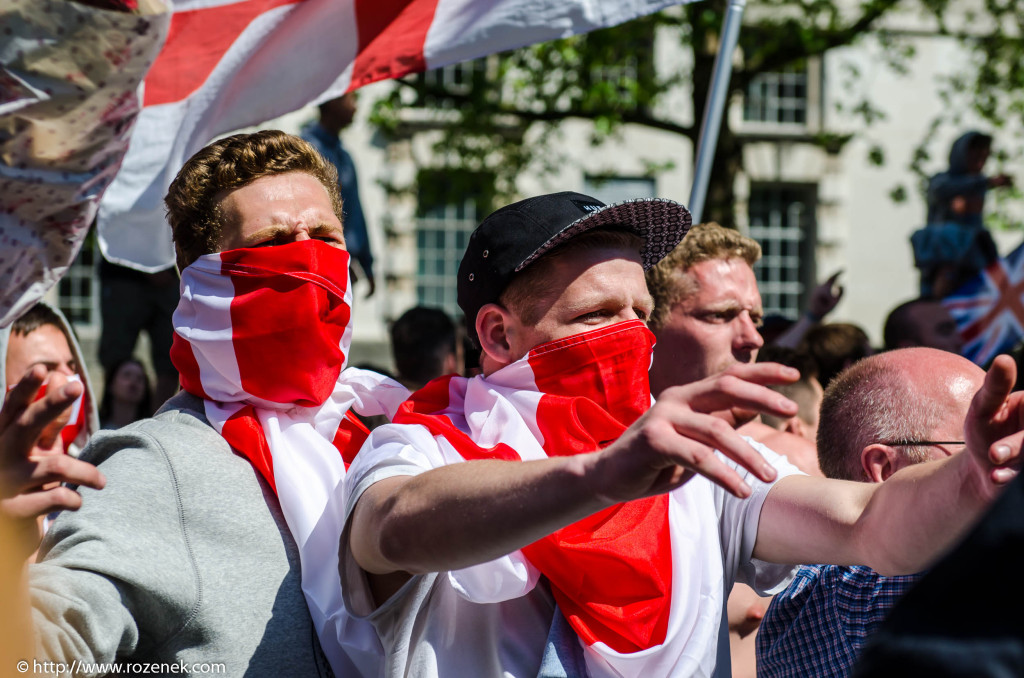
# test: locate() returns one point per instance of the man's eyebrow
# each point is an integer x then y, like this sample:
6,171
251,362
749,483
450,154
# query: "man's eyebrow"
265,233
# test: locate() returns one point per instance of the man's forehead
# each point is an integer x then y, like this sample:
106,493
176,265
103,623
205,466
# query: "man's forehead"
725,281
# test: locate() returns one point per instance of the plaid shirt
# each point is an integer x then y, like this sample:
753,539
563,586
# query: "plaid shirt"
817,626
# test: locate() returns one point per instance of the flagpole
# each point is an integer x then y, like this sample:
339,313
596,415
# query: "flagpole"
714,107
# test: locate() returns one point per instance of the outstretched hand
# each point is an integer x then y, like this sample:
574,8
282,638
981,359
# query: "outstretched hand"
825,296
994,428
678,436
31,453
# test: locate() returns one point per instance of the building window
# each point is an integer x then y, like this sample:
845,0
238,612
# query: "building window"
782,221
778,98
435,86
451,204
78,292
611,190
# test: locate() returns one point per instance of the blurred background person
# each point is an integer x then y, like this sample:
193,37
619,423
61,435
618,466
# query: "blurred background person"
133,302
127,396
834,347
424,346
921,322
955,245
336,115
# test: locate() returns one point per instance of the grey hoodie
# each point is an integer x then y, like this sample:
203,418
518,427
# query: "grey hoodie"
183,558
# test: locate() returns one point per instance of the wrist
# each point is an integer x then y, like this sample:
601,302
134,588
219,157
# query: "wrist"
814,317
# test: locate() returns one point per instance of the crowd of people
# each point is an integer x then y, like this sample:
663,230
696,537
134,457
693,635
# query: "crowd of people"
613,488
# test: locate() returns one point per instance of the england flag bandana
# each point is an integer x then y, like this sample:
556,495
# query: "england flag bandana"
262,335
612,573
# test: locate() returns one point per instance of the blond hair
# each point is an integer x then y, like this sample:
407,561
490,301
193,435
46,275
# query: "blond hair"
669,280
194,196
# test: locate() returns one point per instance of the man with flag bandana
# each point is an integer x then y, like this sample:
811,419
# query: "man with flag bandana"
550,480
204,544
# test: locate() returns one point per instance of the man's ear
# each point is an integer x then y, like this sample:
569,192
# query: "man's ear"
878,462
795,425
492,324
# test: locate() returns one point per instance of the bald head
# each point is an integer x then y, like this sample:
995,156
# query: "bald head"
917,394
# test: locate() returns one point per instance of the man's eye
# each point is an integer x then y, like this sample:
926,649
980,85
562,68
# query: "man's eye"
715,316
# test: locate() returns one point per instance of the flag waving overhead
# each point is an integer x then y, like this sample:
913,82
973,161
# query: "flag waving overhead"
230,64
989,309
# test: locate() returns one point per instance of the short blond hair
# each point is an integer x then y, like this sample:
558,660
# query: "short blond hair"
669,280
193,198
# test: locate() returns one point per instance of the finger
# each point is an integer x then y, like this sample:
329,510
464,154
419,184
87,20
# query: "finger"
35,504
830,283
19,397
57,468
1007,451
739,389
996,388
711,432
41,422
1001,476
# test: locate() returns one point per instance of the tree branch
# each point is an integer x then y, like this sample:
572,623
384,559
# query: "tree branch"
793,47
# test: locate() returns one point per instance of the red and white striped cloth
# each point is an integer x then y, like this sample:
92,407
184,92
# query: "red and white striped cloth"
228,64
262,335
618,576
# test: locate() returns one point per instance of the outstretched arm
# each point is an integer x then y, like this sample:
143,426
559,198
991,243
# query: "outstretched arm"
902,525
31,457
468,513
824,298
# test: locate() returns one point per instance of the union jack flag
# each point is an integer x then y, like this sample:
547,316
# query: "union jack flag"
989,309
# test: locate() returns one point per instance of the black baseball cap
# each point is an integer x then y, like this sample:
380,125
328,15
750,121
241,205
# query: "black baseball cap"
514,236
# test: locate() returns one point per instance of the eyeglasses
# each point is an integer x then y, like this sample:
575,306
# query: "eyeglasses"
909,443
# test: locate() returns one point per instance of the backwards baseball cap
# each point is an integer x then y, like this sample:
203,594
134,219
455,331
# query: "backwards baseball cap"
513,237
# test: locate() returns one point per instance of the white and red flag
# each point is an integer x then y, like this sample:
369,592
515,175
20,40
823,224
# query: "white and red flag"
262,335
229,64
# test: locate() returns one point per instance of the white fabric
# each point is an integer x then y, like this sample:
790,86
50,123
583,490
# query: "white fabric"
713,538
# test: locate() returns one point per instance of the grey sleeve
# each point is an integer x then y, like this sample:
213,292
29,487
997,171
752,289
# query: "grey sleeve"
116,577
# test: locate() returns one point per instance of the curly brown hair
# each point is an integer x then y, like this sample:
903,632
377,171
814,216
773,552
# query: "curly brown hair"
669,281
193,200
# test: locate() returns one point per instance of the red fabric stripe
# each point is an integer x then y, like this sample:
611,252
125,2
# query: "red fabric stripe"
611,572
196,42
184,361
350,437
426,407
391,37
281,356
243,432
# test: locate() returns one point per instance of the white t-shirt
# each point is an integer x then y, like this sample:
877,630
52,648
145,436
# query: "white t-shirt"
435,626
